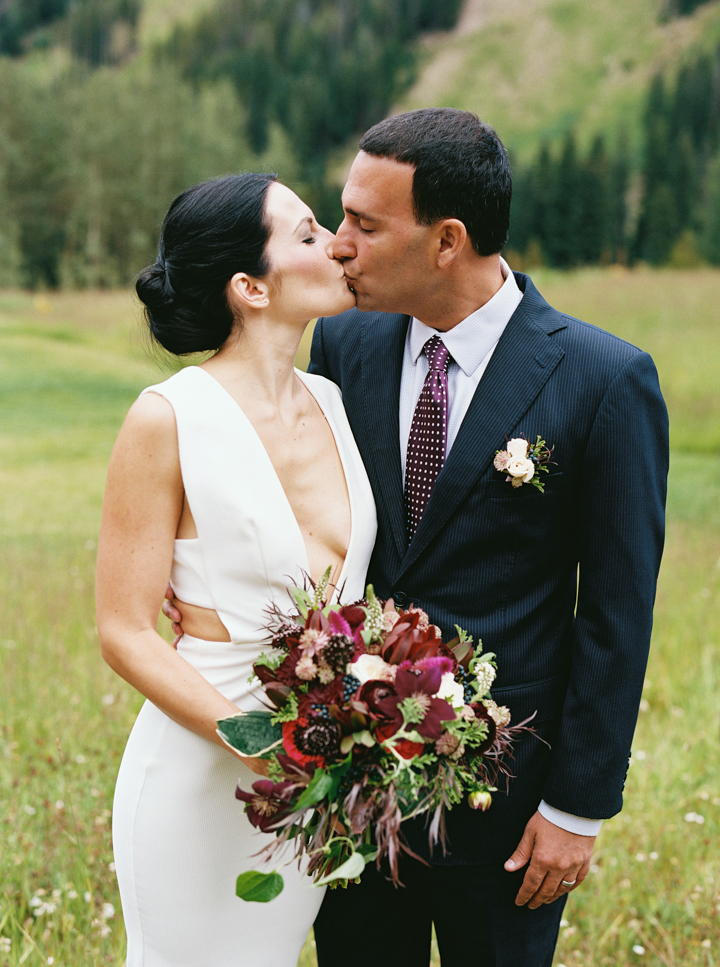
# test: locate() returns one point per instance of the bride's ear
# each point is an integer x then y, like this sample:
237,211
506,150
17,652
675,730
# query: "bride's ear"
248,292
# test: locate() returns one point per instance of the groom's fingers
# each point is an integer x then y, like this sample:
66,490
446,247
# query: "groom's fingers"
523,852
555,855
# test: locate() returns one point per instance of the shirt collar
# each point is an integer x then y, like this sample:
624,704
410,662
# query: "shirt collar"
472,339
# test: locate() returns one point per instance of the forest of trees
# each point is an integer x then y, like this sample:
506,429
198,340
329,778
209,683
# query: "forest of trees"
94,146
573,210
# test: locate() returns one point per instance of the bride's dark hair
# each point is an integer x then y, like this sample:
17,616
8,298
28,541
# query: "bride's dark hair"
211,231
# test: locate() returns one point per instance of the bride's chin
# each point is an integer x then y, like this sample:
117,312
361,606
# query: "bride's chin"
345,301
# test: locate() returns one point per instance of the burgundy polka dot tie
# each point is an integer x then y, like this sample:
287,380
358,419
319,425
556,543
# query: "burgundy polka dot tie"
427,442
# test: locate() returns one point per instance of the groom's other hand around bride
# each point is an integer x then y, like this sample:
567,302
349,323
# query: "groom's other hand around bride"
558,862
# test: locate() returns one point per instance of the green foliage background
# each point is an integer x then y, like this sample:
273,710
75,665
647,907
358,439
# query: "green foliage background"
611,113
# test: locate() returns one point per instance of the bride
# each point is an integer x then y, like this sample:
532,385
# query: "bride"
233,479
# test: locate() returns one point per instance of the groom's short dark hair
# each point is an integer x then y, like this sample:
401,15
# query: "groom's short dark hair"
461,170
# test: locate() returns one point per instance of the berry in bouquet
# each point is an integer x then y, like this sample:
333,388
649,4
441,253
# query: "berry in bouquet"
372,719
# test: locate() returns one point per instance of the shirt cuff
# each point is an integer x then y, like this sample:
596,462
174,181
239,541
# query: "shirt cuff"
573,824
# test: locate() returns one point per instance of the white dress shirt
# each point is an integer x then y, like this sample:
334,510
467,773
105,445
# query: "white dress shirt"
471,344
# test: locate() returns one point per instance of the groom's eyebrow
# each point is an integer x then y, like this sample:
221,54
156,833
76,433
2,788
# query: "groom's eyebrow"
360,215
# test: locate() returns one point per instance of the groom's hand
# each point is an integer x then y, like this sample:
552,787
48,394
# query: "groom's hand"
553,855
171,612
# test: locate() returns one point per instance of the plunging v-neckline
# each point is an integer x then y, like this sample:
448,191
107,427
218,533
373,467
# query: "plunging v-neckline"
338,447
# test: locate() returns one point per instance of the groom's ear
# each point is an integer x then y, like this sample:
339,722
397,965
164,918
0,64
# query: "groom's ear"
451,238
248,291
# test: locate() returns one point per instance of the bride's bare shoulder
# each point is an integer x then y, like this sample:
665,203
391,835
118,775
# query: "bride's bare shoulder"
149,434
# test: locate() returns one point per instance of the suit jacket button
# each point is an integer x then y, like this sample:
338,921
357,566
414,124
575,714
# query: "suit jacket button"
400,598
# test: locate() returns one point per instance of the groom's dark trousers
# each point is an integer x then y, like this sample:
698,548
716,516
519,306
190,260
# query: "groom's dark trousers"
560,585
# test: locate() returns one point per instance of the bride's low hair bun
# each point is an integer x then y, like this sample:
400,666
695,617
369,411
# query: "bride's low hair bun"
211,231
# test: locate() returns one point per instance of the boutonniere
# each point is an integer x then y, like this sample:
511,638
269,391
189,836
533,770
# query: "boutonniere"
522,461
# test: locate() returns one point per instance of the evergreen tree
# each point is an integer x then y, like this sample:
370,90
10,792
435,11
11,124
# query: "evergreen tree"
710,231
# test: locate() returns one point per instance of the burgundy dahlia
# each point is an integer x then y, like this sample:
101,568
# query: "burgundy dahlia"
268,803
319,737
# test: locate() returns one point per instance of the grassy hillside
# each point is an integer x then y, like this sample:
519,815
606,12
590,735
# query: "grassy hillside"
159,16
536,68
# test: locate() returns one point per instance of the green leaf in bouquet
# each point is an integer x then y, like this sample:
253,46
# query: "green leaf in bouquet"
250,733
288,712
318,787
368,852
462,650
258,887
349,870
302,600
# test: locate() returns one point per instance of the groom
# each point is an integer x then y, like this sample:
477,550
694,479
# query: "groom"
559,584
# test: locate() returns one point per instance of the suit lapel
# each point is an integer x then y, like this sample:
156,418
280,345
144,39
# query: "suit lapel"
382,345
522,362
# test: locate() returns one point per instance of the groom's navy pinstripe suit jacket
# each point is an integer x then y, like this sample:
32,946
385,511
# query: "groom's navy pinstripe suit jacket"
560,584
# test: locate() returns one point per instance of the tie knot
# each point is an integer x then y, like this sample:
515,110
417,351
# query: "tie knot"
437,353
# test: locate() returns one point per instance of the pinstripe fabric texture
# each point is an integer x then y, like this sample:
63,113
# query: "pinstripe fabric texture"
507,564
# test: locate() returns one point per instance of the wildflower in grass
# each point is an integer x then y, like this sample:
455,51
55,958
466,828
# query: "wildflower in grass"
42,908
5,945
637,949
694,818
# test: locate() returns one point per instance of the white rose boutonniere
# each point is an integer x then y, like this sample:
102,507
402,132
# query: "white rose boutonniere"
522,461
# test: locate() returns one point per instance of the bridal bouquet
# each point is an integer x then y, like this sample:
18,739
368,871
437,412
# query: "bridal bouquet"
372,719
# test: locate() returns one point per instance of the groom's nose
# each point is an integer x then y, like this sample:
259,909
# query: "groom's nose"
342,246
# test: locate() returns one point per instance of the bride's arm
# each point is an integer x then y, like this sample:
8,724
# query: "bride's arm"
142,507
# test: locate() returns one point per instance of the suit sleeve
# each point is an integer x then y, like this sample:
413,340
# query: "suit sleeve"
620,534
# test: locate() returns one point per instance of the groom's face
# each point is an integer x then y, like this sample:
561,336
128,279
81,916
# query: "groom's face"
387,256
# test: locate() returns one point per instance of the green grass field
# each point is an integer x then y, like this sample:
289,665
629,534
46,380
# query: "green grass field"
70,366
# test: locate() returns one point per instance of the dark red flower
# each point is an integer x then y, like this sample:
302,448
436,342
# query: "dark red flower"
265,673
268,803
300,773
319,737
420,687
290,745
408,749
407,641
373,692
481,712
351,718
354,615
317,694
285,672
318,622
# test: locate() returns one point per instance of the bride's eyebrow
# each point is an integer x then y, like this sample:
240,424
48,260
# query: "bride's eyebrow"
307,221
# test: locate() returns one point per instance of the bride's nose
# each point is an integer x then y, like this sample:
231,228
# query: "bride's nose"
329,246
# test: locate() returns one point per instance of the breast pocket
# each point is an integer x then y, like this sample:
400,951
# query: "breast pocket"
500,489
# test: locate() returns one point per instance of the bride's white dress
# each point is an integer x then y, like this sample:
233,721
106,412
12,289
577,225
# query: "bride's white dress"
180,837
